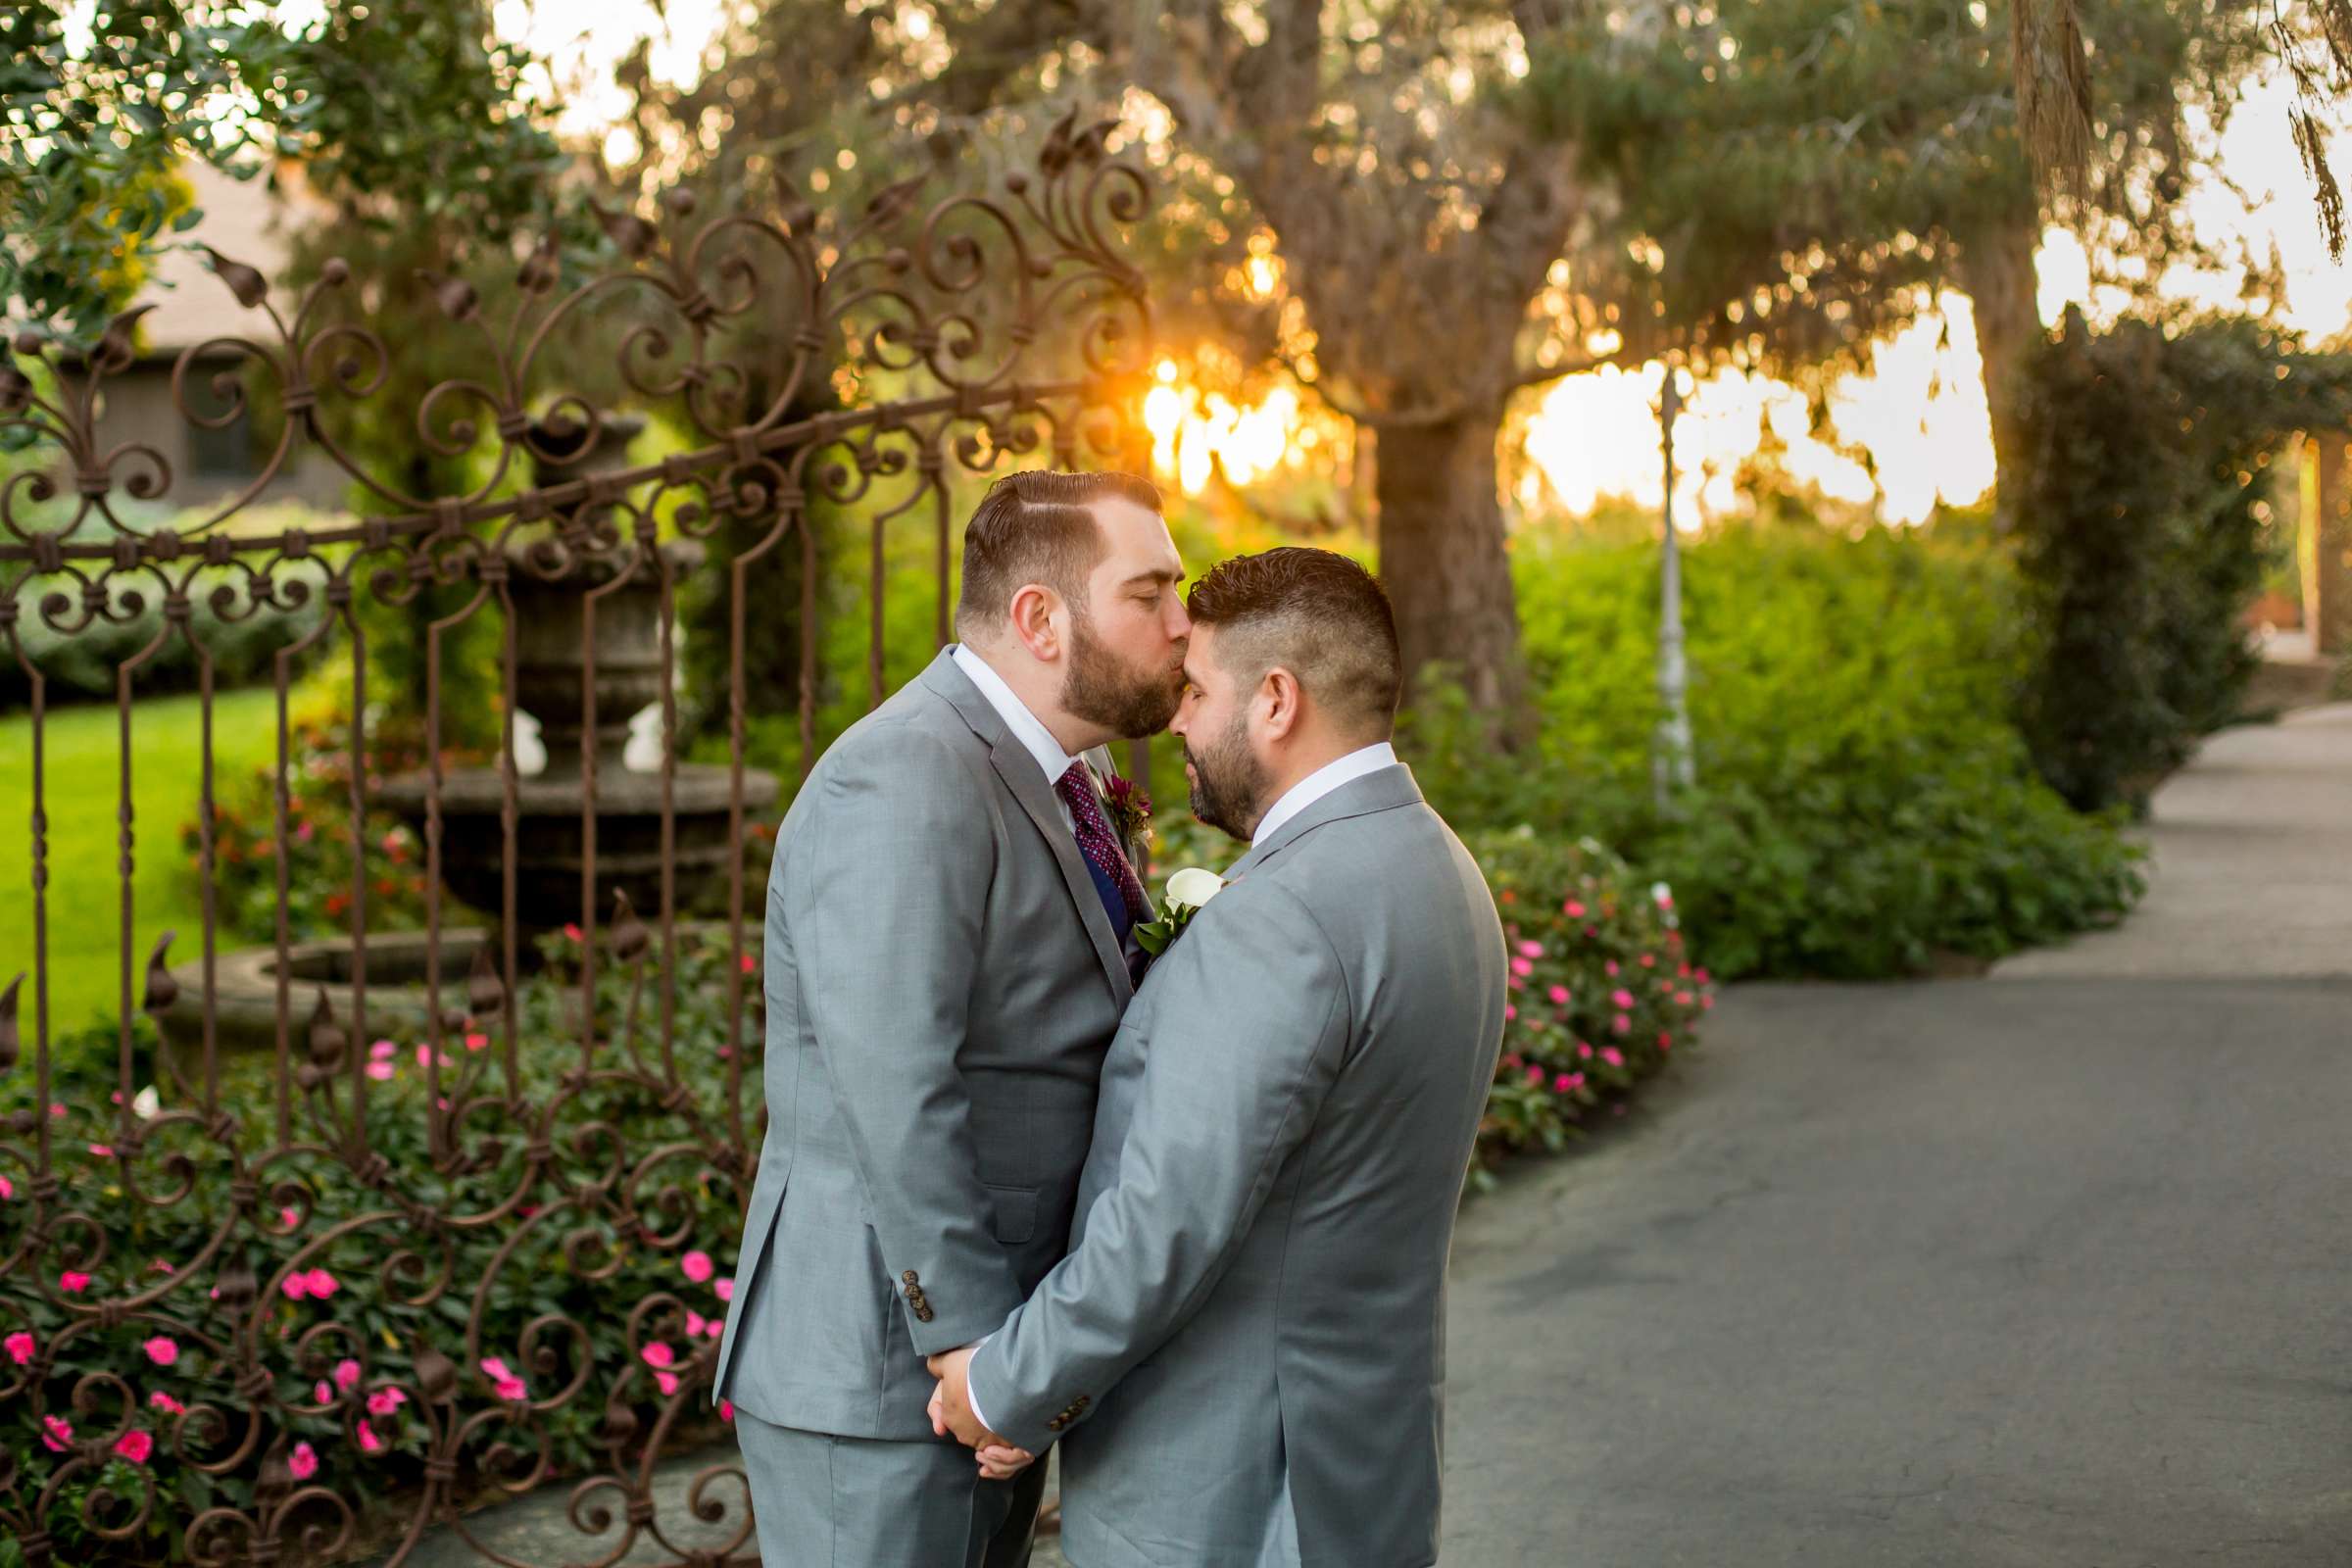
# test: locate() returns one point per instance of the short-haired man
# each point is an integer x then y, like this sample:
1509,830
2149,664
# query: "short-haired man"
947,958
1243,1354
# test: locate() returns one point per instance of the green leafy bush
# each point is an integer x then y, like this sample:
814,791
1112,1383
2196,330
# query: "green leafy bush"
2140,524
1863,801
558,1264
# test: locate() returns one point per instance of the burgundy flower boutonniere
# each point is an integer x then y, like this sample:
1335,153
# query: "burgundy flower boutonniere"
1130,808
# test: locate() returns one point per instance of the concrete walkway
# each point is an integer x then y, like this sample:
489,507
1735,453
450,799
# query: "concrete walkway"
2252,865
2045,1270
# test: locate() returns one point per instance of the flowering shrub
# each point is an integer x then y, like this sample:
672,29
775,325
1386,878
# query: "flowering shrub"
1602,991
318,842
394,1306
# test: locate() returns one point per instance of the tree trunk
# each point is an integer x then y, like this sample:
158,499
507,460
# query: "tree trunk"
1996,266
1442,561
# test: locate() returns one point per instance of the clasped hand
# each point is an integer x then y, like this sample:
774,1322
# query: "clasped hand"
951,1414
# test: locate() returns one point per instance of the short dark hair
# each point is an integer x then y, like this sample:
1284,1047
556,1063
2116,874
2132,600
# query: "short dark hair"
1315,614
1037,527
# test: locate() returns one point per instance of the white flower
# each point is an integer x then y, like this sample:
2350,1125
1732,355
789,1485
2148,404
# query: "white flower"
1661,895
1193,886
146,1102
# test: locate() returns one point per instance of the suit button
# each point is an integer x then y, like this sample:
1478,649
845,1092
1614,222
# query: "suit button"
910,1277
1056,1424
922,1315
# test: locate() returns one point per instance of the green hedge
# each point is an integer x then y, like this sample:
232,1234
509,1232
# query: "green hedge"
1863,801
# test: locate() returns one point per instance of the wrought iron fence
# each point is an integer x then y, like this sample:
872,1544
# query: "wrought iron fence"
397,1224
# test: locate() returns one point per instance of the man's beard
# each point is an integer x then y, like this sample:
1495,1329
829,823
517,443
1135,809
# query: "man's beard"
1101,690
1229,782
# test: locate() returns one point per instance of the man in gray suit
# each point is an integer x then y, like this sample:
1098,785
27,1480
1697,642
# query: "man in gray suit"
1243,1354
948,940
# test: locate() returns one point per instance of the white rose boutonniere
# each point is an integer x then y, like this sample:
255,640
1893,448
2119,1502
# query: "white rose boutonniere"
1186,892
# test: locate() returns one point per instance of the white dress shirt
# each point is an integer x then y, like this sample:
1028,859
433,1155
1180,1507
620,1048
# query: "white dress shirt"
1321,782
1037,740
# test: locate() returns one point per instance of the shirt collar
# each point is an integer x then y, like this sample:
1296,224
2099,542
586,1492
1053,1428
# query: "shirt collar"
1037,740
1321,782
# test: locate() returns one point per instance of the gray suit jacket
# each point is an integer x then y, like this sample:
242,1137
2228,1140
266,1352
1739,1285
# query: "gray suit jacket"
942,984
1254,1302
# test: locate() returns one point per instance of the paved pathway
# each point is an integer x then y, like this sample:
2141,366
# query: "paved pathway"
2044,1270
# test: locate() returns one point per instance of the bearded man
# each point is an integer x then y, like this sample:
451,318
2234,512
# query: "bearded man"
948,953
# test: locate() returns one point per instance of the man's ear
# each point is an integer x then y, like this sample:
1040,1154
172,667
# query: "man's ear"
1282,696
1033,623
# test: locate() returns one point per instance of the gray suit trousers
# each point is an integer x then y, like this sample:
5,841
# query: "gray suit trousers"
826,1501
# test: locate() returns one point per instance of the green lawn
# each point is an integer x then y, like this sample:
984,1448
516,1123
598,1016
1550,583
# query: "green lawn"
85,884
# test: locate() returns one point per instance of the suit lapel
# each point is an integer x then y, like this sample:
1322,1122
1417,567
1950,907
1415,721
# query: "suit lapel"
1026,783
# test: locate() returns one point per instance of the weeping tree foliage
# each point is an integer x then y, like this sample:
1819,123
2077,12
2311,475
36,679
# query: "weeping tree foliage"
2057,74
1854,161
2138,509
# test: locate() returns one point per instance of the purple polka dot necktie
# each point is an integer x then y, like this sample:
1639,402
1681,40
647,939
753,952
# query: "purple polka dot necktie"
1113,876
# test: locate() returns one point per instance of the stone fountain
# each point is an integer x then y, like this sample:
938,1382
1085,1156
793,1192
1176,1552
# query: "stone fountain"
552,810
551,846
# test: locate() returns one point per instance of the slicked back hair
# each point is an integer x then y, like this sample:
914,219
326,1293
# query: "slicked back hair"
1315,614
1037,527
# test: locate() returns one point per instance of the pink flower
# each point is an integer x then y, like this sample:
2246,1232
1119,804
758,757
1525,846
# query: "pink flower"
103,1151
1522,968
1682,970
1665,1041
381,1071
303,833
8,1187
1706,1003
657,1354
751,965
57,1108
697,1265
19,1346
1681,998
165,1403
323,1284
158,1266
1621,999
381,1049
1510,1012
1621,1024
1611,967
1535,1074
289,1217
383,1401
574,932
1649,960
425,1055
715,1327
1613,1056
370,1442
694,1322
323,1391
303,1461
1576,1080
477,1041
725,1290
668,1381
162,1349
72,1282
507,1385
726,1409
1561,1085
1583,1050
1702,977
1531,950
1573,909
56,1433
1513,1060
296,1287
135,1445
1560,996
346,1373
